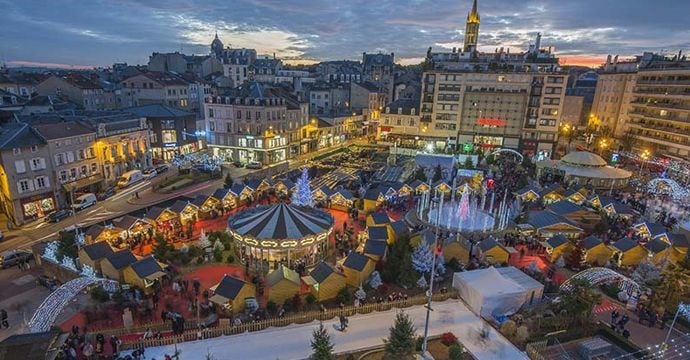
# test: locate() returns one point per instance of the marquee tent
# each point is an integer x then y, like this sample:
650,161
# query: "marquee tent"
489,293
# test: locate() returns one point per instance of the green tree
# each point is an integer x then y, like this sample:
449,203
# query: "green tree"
321,345
162,249
420,175
455,352
576,255
401,341
579,302
67,245
399,268
437,174
228,181
675,285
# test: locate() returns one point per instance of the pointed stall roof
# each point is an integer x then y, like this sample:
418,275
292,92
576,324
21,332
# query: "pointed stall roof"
590,242
148,268
180,205
541,219
380,218
237,188
229,287
126,222
356,261
94,231
564,207
220,194
375,247
656,246
527,189
400,228
625,244
154,212
487,244
557,240
199,200
122,259
98,250
378,233
282,272
322,271
678,240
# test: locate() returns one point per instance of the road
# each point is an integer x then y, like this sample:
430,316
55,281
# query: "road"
123,203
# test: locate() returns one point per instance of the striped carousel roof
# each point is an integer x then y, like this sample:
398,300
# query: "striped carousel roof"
281,221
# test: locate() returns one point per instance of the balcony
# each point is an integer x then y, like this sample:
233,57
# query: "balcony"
659,117
668,129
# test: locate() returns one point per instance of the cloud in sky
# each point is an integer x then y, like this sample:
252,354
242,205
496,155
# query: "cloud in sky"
101,32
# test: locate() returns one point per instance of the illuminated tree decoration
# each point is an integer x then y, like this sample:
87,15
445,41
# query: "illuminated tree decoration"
303,195
422,257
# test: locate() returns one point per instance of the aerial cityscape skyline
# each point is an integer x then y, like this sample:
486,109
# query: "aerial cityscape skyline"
101,33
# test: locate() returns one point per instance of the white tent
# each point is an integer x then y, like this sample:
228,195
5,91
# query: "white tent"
534,290
488,293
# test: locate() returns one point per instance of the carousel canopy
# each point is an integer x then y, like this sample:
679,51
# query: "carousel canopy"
280,221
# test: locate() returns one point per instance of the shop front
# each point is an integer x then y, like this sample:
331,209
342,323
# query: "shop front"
37,206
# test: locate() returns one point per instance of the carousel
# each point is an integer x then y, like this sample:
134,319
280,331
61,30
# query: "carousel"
282,233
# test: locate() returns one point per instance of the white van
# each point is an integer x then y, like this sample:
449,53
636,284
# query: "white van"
84,201
129,178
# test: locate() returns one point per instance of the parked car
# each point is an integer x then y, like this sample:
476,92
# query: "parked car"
129,178
237,164
162,168
13,257
254,165
84,201
57,216
47,282
149,173
105,194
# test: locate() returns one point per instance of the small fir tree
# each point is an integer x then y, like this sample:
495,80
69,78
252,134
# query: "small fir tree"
437,174
303,195
422,257
375,280
228,182
321,345
419,174
400,344
422,283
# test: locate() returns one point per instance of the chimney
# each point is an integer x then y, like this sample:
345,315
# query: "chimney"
608,59
615,60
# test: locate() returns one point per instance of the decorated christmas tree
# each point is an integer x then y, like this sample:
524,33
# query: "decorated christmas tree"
422,283
303,195
464,208
88,271
422,257
375,280
204,242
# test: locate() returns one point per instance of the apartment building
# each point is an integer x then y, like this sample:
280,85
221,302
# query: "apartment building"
156,88
84,91
255,122
493,109
399,122
73,158
659,109
173,131
26,177
613,93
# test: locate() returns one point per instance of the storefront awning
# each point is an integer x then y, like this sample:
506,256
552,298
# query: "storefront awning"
82,183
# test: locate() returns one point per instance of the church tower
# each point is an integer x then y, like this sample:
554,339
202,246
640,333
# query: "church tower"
472,29
217,47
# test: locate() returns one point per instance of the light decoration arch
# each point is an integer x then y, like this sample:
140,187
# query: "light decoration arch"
600,275
672,188
46,314
514,152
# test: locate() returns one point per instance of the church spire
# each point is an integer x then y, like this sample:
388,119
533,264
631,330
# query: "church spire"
472,29
473,16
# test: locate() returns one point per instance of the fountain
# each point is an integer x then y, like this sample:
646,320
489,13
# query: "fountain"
463,215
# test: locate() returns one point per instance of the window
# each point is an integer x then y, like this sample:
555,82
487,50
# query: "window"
70,157
34,148
16,151
24,186
249,115
212,126
210,112
239,114
38,164
80,154
63,176
258,115
258,143
83,171
242,142
20,166
41,182
94,168
59,159
73,173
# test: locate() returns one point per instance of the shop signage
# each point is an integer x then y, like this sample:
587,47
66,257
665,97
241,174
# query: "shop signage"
491,122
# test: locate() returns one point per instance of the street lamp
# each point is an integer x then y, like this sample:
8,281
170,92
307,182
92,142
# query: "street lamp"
645,155
438,202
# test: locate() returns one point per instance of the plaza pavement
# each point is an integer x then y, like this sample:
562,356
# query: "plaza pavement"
365,331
